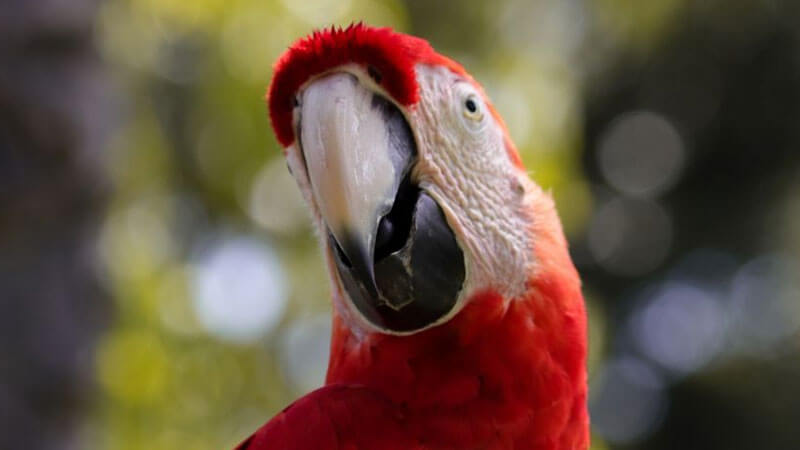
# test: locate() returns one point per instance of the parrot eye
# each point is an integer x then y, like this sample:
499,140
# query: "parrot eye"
472,109
471,106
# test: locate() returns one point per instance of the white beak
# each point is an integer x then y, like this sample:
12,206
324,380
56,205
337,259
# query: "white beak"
355,163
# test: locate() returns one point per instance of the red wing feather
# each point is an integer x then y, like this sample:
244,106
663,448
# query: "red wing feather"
335,417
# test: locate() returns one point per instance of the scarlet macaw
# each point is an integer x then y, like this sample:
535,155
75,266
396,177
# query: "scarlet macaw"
458,317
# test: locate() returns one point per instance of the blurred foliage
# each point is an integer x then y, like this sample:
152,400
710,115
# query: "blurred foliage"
194,161
196,172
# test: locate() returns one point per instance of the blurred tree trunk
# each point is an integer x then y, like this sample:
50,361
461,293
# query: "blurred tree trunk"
54,112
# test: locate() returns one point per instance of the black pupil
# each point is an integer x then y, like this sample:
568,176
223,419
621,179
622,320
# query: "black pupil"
471,106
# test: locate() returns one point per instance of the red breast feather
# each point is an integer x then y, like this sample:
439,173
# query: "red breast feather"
500,375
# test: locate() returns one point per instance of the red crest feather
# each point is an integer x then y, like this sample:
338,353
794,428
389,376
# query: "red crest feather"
393,55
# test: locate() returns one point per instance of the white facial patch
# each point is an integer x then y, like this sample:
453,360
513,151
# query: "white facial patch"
464,165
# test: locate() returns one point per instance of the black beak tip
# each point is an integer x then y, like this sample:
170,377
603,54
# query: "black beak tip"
355,255
410,287
410,271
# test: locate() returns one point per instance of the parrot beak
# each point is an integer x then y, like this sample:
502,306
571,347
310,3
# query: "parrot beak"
396,256
356,154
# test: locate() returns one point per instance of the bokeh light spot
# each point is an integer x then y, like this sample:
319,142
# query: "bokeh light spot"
305,347
641,154
627,401
765,298
239,289
275,190
137,239
630,237
681,328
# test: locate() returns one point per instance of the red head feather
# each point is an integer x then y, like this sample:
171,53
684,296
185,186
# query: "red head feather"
393,55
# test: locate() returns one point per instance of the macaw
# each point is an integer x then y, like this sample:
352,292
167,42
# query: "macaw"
458,318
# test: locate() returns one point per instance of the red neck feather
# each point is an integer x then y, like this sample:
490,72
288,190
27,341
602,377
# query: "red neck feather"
504,374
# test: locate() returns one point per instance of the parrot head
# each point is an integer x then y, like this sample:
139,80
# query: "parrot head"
458,315
417,191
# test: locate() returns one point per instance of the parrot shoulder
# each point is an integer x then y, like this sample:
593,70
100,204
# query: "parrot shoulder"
335,417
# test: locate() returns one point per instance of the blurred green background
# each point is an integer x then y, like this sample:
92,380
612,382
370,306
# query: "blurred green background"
161,288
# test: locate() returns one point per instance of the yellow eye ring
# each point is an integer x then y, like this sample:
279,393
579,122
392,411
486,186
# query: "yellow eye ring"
472,108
